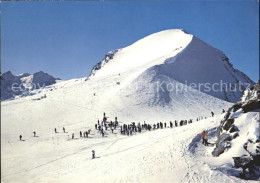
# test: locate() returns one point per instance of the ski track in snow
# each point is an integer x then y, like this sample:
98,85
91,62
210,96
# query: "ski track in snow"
162,155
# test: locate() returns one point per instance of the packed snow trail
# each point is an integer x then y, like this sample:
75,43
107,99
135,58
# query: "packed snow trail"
162,155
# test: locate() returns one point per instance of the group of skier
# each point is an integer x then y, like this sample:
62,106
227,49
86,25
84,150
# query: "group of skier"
21,137
129,129
82,134
134,128
104,125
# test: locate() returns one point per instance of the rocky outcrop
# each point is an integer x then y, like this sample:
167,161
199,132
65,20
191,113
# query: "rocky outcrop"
251,106
109,56
227,129
232,126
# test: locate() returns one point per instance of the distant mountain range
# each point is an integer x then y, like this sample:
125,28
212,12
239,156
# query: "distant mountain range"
14,85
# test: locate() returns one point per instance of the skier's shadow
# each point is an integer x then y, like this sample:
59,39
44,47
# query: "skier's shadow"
22,140
36,99
211,144
72,139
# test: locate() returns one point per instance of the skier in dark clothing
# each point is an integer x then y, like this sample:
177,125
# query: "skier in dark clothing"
72,135
161,125
149,127
96,126
55,130
80,134
164,125
20,137
212,114
223,111
86,134
63,130
176,123
206,139
171,124
104,120
34,134
93,154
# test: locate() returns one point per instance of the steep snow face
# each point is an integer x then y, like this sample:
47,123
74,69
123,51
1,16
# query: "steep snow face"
176,55
206,69
144,53
152,90
23,84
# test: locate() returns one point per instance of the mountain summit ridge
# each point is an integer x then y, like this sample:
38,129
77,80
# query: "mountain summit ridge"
180,56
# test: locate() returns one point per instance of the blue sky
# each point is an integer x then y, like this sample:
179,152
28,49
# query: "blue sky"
66,39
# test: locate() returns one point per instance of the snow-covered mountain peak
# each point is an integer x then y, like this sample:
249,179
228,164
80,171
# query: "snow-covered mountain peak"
146,52
164,39
177,56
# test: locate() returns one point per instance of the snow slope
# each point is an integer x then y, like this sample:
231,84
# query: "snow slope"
124,85
163,155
